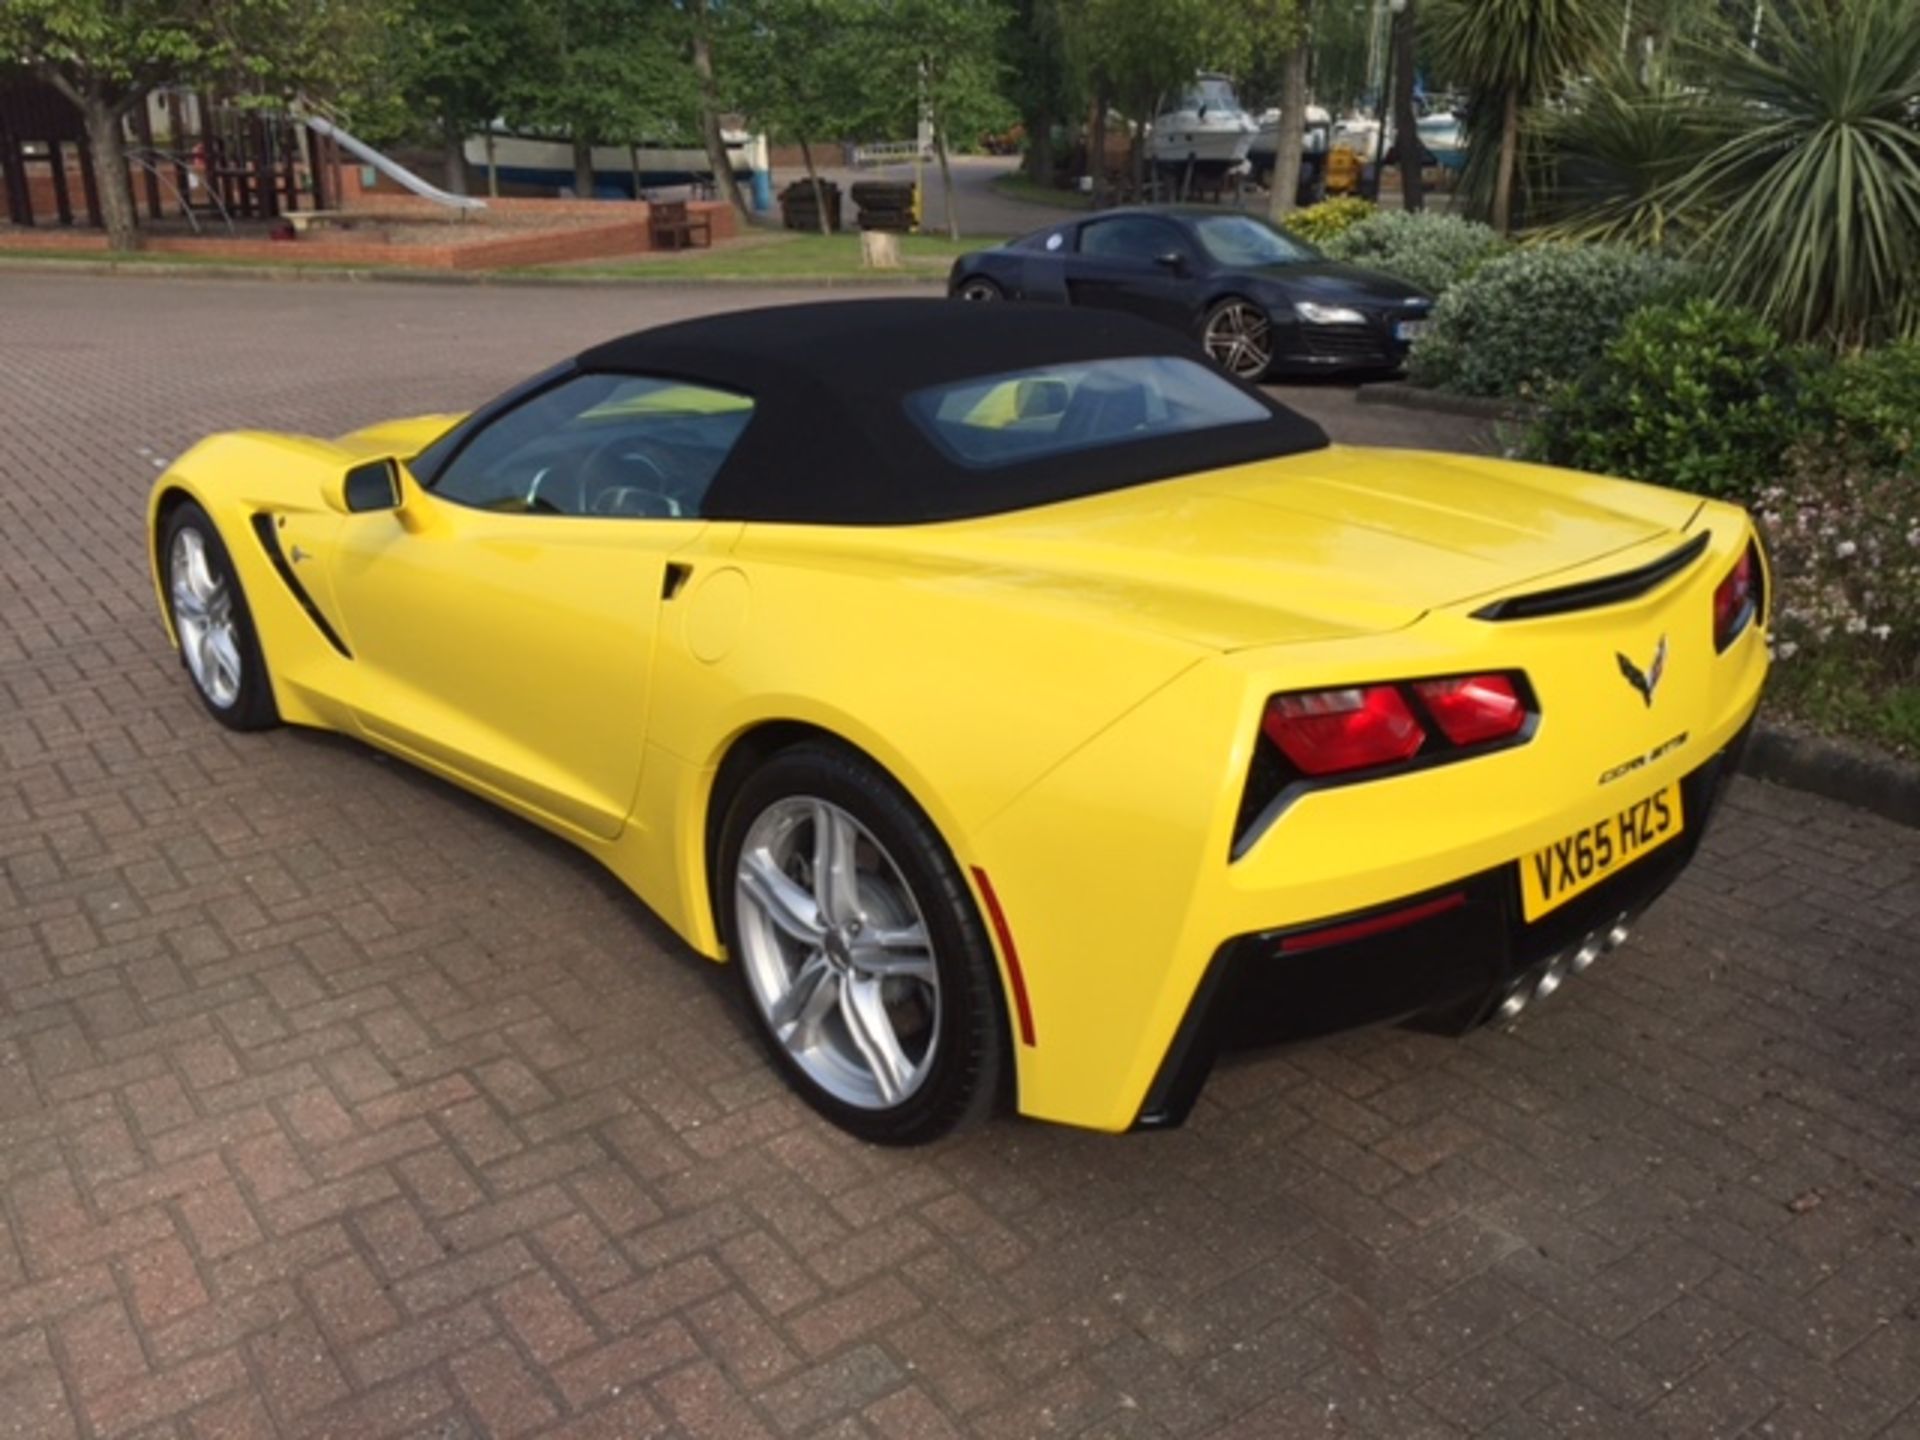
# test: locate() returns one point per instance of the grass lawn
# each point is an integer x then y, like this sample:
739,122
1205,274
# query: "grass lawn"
1016,186
785,255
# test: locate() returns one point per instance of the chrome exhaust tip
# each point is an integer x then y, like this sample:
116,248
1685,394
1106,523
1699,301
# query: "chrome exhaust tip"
1589,951
1515,1002
1616,934
1552,977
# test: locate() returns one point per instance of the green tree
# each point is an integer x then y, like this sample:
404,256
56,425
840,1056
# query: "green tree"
603,72
819,68
454,66
1038,80
105,55
953,49
1512,54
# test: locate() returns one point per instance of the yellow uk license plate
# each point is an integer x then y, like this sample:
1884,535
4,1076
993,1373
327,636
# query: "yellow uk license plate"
1576,863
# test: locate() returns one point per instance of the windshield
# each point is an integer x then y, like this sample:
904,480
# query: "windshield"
1243,241
1214,94
1056,409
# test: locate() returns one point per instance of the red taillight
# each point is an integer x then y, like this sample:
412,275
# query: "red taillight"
1472,709
1326,732
1733,602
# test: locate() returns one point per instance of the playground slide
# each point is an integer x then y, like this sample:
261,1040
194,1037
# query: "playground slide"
399,174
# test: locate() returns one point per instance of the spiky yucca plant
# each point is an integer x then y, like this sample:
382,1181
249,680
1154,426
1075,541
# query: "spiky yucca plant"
1511,53
1807,194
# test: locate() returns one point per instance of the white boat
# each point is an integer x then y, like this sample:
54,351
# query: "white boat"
1266,141
1205,130
547,162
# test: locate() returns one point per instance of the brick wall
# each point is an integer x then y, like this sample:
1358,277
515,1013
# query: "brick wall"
487,251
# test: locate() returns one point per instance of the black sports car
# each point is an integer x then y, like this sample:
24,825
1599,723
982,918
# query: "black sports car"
1260,300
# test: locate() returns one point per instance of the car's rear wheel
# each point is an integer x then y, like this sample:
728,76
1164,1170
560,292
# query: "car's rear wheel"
218,644
1239,337
979,287
859,948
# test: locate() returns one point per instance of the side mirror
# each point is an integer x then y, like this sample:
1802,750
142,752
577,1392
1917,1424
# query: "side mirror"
1172,260
365,488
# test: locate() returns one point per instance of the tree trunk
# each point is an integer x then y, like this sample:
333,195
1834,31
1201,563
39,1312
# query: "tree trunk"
583,168
819,192
1097,148
1292,140
456,158
1405,125
946,177
493,170
1039,157
110,170
710,137
1503,177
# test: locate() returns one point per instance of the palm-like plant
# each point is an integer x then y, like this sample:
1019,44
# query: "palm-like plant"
1807,197
1510,53
1612,154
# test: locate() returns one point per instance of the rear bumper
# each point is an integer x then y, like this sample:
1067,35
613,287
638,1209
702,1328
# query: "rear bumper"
1450,969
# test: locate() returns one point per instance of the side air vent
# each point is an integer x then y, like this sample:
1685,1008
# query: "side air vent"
1592,594
270,542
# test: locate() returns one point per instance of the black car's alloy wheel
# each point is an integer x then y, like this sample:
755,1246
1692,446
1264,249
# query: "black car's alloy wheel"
859,948
1239,338
211,620
979,287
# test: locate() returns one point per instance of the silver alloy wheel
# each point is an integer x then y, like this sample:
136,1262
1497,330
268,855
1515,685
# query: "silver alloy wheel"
203,617
1240,340
837,953
979,290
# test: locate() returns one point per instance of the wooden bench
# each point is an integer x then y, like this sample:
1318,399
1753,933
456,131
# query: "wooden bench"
671,226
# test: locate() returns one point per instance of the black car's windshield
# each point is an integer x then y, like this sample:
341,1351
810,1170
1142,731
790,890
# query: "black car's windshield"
1241,240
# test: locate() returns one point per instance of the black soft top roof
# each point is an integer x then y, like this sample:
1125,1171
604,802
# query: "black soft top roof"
831,441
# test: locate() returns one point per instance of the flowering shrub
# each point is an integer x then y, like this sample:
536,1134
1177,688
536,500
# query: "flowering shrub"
1534,316
1317,224
1423,248
1845,547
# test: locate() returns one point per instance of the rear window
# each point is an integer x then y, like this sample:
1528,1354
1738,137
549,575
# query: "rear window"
1027,415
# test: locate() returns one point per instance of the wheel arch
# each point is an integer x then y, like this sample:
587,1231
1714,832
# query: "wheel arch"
749,748
168,496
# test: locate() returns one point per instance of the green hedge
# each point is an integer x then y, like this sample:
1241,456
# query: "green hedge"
1426,249
1698,395
1536,316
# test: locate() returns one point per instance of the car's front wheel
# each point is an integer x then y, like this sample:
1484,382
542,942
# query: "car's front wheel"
1239,337
978,288
218,644
859,948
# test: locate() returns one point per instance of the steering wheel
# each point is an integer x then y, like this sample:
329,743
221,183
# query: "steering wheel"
624,478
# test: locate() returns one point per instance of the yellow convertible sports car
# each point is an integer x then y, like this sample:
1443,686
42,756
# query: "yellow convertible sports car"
1027,709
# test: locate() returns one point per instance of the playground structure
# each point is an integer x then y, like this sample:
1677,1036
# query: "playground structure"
287,182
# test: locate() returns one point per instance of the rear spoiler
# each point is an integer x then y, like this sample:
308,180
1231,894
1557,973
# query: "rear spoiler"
1592,594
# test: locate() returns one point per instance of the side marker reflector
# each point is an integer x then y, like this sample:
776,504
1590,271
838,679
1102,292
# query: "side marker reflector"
1022,1008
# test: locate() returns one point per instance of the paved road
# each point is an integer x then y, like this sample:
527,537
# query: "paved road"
333,1103
982,210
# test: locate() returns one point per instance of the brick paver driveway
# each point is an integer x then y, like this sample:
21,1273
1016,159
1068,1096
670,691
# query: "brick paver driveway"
332,1102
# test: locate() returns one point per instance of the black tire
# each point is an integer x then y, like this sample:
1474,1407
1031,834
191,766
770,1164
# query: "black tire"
966,1067
979,288
251,707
